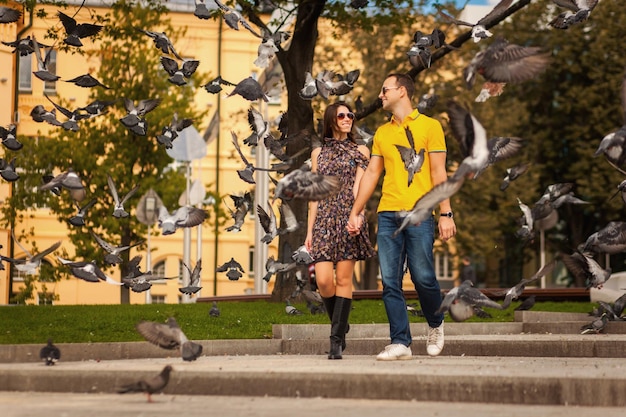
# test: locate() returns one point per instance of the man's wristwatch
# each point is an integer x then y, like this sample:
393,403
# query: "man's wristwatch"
447,214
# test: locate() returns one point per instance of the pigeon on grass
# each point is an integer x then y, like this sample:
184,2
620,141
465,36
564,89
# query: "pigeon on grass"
169,336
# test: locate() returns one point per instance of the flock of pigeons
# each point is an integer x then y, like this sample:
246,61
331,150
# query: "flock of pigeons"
288,187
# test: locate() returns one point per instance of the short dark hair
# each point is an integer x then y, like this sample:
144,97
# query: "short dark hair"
330,120
403,80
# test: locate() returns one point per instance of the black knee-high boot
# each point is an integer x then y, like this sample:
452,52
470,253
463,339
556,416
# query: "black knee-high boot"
339,327
329,304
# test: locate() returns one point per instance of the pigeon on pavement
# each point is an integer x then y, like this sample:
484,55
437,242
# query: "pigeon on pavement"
149,386
50,354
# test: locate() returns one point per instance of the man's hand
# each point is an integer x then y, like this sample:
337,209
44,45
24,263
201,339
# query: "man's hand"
447,228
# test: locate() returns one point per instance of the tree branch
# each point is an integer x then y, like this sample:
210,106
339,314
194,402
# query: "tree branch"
439,54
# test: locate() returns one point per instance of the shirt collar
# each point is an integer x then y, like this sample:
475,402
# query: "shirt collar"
413,115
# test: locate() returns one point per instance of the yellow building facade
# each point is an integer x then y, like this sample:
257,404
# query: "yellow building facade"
209,41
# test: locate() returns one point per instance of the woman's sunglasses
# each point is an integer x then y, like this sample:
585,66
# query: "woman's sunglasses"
341,116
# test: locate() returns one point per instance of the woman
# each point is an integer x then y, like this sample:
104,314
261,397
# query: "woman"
335,251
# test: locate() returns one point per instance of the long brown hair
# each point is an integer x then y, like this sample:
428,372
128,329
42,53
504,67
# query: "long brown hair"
330,120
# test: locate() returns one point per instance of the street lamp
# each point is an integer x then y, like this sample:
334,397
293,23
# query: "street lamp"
147,213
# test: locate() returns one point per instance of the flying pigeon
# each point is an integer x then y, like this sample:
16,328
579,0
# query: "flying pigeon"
170,132
250,89
412,159
527,303
479,31
162,42
169,336
31,264
50,354
138,281
305,184
8,137
79,218
242,208
527,229
419,54
471,136
24,46
309,90
204,9
266,52
9,15
260,127
514,292
214,311
113,252
98,107
118,209
424,206
233,269
302,256
610,239
179,76
136,114
75,32
613,145
233,18
87,81
87,271
246,174
270,225
512,174
272,267
427,101
579,11
463,299
43,72
181,217
68,180
506,63
501,148
586,269
215,85
73,117
39,114
8,171
149,386
194,279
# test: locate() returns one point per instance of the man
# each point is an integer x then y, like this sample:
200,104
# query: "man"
414,245
467,271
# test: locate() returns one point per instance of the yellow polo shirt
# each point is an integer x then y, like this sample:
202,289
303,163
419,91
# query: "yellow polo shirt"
428,134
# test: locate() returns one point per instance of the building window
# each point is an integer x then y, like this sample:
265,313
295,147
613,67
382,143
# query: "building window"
158,299
159,270
45,298
51,86
26,71
443,266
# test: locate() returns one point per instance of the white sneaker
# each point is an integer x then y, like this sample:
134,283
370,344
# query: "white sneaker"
394,352
434,344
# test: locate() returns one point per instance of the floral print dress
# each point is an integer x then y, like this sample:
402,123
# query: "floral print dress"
331,241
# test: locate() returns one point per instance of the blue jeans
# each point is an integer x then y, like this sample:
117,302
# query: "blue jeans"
415,246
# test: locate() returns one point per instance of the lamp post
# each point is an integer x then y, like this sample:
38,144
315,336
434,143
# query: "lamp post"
147,213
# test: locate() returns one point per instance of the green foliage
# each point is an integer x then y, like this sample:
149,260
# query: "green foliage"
238,320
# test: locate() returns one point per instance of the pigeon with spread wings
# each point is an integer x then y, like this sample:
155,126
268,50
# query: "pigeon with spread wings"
194,279
246,174
305,184
77,31
504,62
169,336
479,30
182,217
233,269
118,209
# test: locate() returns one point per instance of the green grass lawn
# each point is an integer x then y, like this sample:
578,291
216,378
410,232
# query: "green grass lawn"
238,320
